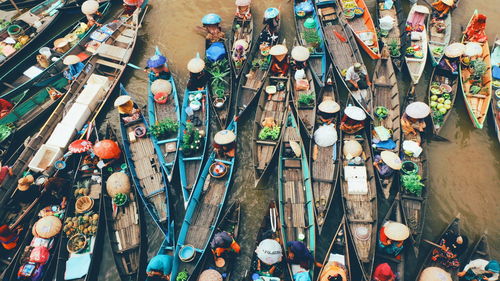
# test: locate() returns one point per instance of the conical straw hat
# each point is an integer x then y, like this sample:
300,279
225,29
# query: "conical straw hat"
121,100
210,275
454,50
300,53
196,65
89,7
118,182
434,274
161,86
352,149
241,42
396,231
224,137
47,227
329,106
391,159
296,148
278,50
71,59
355,113
418,110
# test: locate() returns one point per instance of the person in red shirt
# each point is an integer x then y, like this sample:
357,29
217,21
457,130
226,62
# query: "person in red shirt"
4,171
383,272
5,107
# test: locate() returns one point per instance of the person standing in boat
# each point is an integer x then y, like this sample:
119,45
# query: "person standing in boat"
211,24
383,272
75,66
198,77
413,120
159,268
441,8
223,247
157,68
280,61
243,9
357,77
269,35
391,238
90,9
225,143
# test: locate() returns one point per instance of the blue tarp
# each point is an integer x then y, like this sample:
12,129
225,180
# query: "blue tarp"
216,51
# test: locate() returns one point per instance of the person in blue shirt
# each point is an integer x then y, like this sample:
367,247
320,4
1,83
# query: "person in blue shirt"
75,66
159,268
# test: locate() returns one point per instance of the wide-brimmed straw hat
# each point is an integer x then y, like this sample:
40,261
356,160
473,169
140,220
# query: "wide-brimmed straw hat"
210,275
243,2
278,50
352,149
396,231
434,274
418,110
241,42
454,50
421,9
121,100
391,159
196,65
271,13
300,53
355,113
71,59
161,86
89,7
24,183
328,106
47,227
448,2
224,137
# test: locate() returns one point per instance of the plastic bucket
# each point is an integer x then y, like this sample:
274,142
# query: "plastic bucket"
187,253
15,31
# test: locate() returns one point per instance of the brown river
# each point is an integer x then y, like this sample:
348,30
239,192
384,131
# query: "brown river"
465,172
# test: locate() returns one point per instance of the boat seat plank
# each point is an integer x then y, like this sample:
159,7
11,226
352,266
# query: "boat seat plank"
110,64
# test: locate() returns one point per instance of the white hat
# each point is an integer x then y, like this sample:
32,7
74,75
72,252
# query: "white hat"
355,113
161,86
454,50
121,100
278,50
243,2
418,110
473,49
391,159
241,42
433,273
224,137
352,149
421,9
300,53
210,275
89,7
329,106
71,59
196,65
396,231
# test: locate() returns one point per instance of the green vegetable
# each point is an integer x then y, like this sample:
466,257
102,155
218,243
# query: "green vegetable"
191,141
182,276
5,132
306,99
270,133
475,89
218,70
162,129
312,38
412,183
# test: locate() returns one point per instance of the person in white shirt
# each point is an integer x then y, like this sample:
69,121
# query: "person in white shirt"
357,77
480,269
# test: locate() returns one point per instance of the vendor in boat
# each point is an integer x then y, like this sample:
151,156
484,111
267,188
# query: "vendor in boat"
269,36
480,269
353,120
9,237
5,171
386,163
129,111
269,256
26,191
198,77
333,271
243,9
383,272
225,143
90,9
211,24
157,68
391,238
357,77
159,268
327,110
300,55
240,49
5,107
299,254
75,66
280,61
413,120
442,7
448,66
55,191
223,247
453,246
130,6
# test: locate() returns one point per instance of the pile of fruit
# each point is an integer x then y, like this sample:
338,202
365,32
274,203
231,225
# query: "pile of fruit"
120,199
441,104
77,243
85,224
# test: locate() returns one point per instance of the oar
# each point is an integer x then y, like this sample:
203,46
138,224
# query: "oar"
272,218
432,243
439,138
134,66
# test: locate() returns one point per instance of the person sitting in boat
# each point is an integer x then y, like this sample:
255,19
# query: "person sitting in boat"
159,268
357,77
211,24
130,6
353,120
480,269
442,8
157,68
239,54
333,271
300,55
243,9
55,191
269,36
453,245
9,237
383,272
198,77
5,107
223,247
225,143
280,60
386,163
5,171
391,238
90,9
448,66
75,66
413,120
129,111
299,254
327,110
269,256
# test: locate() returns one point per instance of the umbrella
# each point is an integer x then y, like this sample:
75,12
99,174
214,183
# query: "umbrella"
156,61
107,149
473,49
269,251
454,50
133,2
434,274
325,135
80,146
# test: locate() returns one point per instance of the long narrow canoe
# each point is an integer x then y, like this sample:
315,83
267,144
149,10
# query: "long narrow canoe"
325,161
439,78
295,194
312,38
359,198
495,108
363,28
242,29
125,224
438,40
453,227
341,44
398,264
306,113
253,76
481,250
418,18
43,15
157,113
397,36
202,214
6,5
192,127
386,94
338,251
274,107
415,204
477,105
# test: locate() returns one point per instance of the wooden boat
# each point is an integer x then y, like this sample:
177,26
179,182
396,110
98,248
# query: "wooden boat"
495,108
197,125
477,105
241,29
160,112
360,205
417,18
386,94
437,78
481,250
202,214
341,44
438,40
415,205
6,5
454,226
146,171
110,62
125,225
230,223
397,265
252,77
325,164
312,38
295,193
363,27
338,251
263,150
396,39
31,23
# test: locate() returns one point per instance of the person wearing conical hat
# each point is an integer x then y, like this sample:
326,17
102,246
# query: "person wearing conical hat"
327,110
386,163
225,143
211,24
391,238
269,35
353,120
90,9
157,67
357,78
441,8
198,77
480,269
240,49
383,272
413,120
243,9
129,111
75,66
280,61
300,55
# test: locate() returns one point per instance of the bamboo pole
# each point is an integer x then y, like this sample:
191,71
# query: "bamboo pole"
15,6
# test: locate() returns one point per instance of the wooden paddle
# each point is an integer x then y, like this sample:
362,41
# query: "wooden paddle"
432,243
